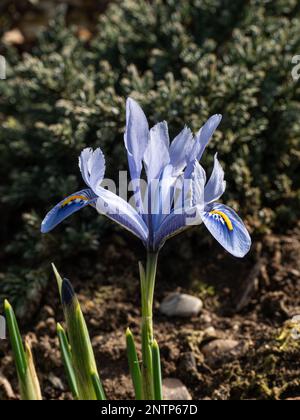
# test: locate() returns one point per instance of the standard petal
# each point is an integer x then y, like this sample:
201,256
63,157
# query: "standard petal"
161,131
136,137
188,207
180,149
162,196
92,167
192,188
97,168
67,207
216,185
203,137
198,183
117,209
228,229
157,156
84,158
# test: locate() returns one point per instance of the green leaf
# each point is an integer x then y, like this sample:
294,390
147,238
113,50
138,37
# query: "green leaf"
30,387
28,380
134,365
67,360
16,340
82,352
157,378
99,391
58,278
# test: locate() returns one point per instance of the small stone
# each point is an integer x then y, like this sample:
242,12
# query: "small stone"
51,325
222,350
188,363
181,305
48,311
7,388
173,389
210,332
41,327
56,382
206,318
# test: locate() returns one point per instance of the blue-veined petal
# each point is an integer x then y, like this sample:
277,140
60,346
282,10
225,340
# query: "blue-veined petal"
175,223
157,156
216,185
228,229
66,207
136,137
136,140
117,209
162,196
172,225
92,167
180,148
198,182
188,208
191,192
83,164
203,137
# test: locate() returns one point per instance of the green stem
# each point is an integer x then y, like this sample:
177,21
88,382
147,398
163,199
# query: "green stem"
147,288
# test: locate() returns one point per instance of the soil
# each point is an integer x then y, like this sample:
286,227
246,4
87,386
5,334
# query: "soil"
250,302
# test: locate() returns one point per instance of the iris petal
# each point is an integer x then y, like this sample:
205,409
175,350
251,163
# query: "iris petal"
216,185
180,148
136,137
198,182
228,229
202,139
92,167
83,164
66,208
117,209
157,156
172,225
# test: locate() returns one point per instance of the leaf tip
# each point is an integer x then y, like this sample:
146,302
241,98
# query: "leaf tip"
7,305
155,345
59,328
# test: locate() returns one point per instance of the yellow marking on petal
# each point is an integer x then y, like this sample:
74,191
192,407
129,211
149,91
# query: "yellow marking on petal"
224,217
73,198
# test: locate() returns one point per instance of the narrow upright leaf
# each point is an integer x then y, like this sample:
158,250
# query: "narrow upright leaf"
16,340
98,387
67,360
58,278
28,380
134,365
32,389
82,353
157,379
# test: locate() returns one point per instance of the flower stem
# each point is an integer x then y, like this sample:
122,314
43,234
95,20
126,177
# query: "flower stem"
147,288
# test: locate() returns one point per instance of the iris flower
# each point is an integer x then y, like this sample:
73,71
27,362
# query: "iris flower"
177,194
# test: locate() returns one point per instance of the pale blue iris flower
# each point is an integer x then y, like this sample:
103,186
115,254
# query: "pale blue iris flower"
177,193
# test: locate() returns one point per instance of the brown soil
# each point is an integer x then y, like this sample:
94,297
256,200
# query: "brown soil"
250,301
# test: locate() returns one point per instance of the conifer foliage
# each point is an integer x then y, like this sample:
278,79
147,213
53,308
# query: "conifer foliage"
183,61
